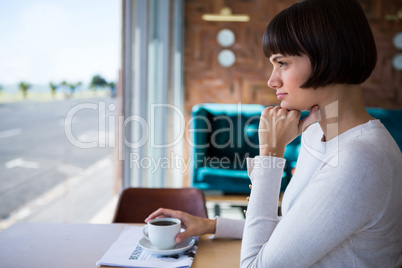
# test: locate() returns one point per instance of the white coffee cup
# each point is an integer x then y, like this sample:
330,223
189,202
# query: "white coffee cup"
162,232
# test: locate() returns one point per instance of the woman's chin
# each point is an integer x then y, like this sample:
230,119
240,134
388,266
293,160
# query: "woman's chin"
293,107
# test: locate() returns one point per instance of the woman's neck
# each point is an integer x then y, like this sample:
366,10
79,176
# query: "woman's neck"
341,110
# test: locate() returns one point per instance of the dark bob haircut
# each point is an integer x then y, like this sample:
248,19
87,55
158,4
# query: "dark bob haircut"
334,34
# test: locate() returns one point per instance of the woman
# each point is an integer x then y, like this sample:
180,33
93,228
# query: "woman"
343,206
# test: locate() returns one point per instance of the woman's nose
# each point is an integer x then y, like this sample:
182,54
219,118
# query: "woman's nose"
274,81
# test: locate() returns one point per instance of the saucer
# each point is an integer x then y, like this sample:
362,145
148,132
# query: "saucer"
179,248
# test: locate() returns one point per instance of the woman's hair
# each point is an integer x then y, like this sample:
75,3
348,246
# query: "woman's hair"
334,34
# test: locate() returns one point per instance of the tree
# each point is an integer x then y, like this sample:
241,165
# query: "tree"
53,88
24,86
112,86
97,82
65,84
73,87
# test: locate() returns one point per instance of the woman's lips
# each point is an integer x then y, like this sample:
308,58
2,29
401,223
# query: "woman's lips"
281,95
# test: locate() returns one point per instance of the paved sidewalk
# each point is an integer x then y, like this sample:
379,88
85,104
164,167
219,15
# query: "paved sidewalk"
86,198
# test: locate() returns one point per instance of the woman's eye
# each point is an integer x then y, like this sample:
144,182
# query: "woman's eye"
281,64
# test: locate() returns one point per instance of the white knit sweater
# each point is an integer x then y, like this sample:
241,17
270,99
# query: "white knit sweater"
342,208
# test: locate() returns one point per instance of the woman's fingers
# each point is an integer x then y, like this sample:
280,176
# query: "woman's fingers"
194,225
277,128
162,212
183,235
190,222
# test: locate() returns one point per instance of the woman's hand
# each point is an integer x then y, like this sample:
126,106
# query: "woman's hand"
194,226
278,127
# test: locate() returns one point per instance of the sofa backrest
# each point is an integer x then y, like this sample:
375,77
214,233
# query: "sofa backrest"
391,119
225,132
224,135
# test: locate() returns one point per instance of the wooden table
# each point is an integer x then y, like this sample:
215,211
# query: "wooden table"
82,245
232,201
239,201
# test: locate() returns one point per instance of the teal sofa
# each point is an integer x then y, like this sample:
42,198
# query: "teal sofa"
224,135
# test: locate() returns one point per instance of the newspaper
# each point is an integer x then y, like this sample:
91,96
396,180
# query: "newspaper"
126,252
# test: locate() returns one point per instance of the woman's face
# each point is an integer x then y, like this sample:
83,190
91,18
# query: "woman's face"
288,74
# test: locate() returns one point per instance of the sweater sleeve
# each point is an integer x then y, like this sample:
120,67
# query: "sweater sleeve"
228,228
337,203
231,228
262,212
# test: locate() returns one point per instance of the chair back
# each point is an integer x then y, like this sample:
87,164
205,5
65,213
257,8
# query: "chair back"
135,204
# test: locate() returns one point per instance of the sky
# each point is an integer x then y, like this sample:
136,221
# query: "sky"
55,40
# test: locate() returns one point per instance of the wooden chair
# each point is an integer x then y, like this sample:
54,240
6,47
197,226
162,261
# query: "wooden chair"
135,204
